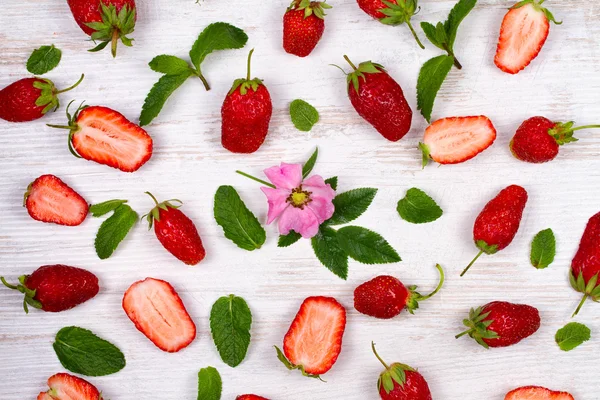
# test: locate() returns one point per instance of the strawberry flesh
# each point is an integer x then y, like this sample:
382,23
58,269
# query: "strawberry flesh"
533,143
250,397
158,312
537,393
68,387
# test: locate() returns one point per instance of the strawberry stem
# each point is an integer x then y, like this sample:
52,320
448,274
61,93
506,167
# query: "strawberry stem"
439,286
256,179
415,35
472,262
249,64
585,296
114,41
463,333
350,62
585,127
153,198
8,285
377,355
72,86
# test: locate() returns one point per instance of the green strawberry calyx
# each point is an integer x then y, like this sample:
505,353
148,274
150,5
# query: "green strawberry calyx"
537,5
426,154
48,97
291,366
394,373
29,294
315,8
71,126
415,297
398,12
478,327
563,132
483,248
363,68
114,26
589,289
154,214
246,83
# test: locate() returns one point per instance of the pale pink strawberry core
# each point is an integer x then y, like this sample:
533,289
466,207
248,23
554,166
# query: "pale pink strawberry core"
301,206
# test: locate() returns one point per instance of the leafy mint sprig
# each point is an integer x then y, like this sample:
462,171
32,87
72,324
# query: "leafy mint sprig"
434,72
114,229
216,36
230,323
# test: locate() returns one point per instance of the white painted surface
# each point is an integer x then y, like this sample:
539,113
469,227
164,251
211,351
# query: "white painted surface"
189,163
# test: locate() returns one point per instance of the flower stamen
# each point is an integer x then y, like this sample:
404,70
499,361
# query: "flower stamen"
299,198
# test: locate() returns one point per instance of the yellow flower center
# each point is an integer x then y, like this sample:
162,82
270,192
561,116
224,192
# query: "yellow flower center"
299,198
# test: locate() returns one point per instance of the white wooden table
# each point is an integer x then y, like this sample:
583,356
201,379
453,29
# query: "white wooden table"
189,163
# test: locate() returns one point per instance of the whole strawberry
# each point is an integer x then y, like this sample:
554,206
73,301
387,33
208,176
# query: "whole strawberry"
379,100
246,114
401,382
56,288
385,296
106,21
176,232
538,139
29,99
501,324
498,223
250,397
303,26
585,267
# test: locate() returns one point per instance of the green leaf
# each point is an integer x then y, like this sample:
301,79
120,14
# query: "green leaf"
432,34
98,210
350,205
456,16
209,384
230,322
169,65
216,36
289,239
431,77
333,181
418,208
366,246
159,94
329,252
238,223
572,335
113,230
82,352
304,116
543,249
310,164
44,59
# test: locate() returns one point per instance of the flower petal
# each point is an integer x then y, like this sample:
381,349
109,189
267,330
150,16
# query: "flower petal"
286,176
321,195
303,221
277,202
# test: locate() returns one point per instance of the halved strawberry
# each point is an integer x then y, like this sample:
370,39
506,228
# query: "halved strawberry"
105,136
250,397
457,139
523,33
48,199
536,393
68,387
314,340
157,311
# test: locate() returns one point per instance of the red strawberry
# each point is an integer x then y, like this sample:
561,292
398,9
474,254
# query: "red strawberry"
314,340
456,140
523,33
105,21
392,12
250,397
303,26
29,99
538,139
176,232
401,382
157,311
379,100
69,387
585,267
498,223
56,288
536,393
48,199
105,136
501,324
385,296
246,114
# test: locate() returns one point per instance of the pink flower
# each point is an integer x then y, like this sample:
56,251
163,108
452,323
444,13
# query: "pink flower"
300,205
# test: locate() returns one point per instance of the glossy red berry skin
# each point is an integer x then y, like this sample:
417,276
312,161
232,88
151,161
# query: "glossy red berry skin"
415,388
372,7
301,35
512,322
533,143
17,101
382,297
178,234
86,11
587,258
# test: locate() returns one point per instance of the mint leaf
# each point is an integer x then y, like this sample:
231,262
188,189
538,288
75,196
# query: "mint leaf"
572,335
238,223
159,94
44,59
456,16
230,322
98,210
333,181
366,246
434,35
310,164
209,384
216,36
431,77
350,205
328,251
289,239
82,352
418,208
113,230
169,65
304,116
543,249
